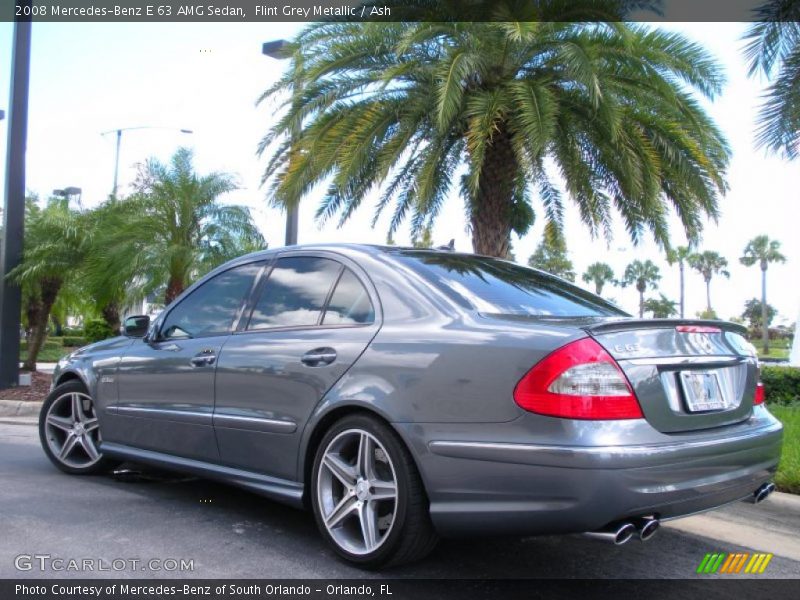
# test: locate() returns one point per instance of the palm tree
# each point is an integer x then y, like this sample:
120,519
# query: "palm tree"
680,255
551,256
661,307
402,107
171,231
773,49
55,245
708,264
600,274
763,251
642,274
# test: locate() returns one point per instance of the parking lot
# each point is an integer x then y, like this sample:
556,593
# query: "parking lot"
221,532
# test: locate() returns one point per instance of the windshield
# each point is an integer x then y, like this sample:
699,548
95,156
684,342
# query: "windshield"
494,286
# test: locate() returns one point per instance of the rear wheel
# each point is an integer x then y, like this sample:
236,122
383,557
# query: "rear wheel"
367,495
70,432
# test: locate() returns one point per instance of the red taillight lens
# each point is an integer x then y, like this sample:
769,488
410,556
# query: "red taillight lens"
578,381
760,396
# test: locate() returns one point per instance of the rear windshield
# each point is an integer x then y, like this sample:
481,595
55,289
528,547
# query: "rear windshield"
493,286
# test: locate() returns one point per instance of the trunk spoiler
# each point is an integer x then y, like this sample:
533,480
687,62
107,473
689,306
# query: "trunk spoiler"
627,324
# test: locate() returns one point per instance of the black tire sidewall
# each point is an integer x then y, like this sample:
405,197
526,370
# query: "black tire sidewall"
394,446
66,388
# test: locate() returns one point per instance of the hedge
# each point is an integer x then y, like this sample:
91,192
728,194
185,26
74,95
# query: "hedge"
781,384
70,341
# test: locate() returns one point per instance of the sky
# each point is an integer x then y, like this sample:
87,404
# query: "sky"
90,78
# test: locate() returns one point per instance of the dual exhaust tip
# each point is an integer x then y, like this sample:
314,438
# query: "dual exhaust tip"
622,532
763,492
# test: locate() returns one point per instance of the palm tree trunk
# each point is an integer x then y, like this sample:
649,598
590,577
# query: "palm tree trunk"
708,296
764,324
681,268
111,316
598,287
174,289
490,212
50,289
641,305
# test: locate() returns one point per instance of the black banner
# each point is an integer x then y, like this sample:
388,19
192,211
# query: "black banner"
395,589
240,11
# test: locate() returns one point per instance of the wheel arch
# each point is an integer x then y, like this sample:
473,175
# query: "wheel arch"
70,376
321,426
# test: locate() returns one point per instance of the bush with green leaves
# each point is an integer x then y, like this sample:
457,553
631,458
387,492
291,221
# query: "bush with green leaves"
70,341
781,384
96,330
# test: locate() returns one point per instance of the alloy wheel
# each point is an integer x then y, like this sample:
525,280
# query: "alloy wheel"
357,491
72,430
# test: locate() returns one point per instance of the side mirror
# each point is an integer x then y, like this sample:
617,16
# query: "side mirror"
136,326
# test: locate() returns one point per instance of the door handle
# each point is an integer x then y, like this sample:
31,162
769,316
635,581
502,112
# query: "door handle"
203,358
318,357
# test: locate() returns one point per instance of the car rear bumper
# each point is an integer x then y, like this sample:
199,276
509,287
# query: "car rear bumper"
482,487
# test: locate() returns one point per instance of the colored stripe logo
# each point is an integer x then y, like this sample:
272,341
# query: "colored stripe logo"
735,563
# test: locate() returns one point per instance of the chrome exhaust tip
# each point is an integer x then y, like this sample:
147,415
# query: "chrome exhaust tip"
763,492
647,527
617,534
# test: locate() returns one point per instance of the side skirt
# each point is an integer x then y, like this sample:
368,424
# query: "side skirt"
288,492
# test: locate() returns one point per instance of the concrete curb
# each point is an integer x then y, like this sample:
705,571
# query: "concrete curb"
19,408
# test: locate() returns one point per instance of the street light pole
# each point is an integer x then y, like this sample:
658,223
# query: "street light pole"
118,133
278,49
14,210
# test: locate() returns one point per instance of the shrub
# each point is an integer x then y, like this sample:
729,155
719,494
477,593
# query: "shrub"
74,341
781,384
96,330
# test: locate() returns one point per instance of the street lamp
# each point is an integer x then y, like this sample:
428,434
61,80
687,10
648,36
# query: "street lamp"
119,142
281,50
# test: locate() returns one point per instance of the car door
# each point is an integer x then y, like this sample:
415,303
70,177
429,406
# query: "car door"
166,384
311,319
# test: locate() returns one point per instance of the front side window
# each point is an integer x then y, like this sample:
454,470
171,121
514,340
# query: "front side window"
212,307
295,292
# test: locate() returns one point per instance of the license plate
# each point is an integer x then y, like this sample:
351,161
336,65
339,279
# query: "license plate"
702,392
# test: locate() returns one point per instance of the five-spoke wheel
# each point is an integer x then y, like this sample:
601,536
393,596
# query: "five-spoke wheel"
367,495
69,430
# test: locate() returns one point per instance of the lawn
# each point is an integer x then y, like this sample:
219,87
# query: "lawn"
788,477
48,353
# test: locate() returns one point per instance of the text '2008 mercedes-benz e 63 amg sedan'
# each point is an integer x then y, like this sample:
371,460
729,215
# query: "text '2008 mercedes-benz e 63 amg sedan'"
405,394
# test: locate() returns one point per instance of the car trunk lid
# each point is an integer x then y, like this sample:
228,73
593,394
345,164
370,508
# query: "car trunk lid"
686,374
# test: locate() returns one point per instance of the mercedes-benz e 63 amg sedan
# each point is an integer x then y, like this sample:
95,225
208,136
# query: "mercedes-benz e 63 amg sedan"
404,394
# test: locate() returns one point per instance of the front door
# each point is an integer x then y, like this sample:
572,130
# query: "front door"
312,319
166,385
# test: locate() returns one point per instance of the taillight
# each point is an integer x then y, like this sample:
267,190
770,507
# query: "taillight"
578,381
760,396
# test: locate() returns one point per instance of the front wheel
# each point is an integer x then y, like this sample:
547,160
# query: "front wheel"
367,495
70,432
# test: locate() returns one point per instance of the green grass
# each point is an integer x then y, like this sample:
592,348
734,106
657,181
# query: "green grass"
48,353
773,352
788,476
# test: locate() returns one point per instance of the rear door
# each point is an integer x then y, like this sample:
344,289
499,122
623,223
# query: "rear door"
310,320
687,375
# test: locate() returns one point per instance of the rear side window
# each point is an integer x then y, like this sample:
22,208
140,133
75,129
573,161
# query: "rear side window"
495,286
211,308
295,293
350,303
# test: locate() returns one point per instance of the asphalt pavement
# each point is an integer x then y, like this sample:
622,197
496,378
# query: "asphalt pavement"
229,533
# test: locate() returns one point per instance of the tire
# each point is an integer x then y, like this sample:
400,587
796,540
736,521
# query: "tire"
68,417
399,526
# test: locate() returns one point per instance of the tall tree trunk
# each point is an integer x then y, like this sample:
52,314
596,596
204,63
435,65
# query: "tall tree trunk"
598,287
681,269
491,208
764,324
50,289
641,305
708,295
111,316
174,289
